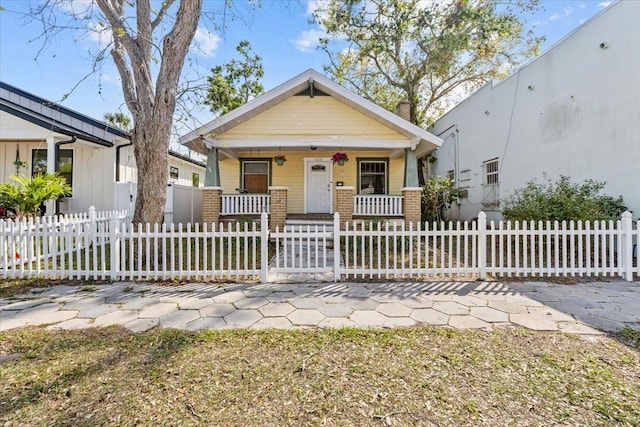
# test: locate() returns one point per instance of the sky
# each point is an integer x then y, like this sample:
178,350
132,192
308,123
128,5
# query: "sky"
279,31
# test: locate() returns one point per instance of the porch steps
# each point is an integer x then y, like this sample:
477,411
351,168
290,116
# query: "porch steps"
302,224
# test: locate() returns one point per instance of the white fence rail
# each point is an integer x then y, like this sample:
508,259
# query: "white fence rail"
108,246
377,205
245,204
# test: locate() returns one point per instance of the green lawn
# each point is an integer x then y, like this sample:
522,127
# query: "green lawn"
414,376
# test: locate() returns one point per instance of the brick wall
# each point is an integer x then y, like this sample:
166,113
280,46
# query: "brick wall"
344,204
211,204
411,205
278,215
403,109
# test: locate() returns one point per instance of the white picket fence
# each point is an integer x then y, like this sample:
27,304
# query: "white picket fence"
476,249
108,246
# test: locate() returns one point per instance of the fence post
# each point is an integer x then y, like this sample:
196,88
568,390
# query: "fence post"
264,247
114,245
92,225
336,247
627,247
482,245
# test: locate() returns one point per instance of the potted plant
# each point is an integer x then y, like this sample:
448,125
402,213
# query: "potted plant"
19,164
339,158
279,159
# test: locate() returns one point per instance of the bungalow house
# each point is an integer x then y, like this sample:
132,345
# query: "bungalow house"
573,111
284,152
38,135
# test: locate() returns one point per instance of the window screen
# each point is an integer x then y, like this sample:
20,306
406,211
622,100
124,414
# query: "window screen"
255,176
372,176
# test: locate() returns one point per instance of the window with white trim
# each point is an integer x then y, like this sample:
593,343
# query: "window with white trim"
255,176
490,184
372,176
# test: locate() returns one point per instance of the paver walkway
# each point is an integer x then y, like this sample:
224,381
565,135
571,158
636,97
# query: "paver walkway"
587,308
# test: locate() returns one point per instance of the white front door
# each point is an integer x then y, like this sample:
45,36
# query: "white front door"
317,176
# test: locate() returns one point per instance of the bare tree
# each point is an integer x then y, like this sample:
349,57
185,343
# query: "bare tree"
148,46
152,104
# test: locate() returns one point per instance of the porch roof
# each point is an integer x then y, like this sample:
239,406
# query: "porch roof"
204,138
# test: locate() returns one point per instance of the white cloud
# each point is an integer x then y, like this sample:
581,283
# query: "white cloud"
207,43
565,13
99,33
604,4
110,78
314,5
308,40
77,8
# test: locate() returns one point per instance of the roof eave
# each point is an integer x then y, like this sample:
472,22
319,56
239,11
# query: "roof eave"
294,85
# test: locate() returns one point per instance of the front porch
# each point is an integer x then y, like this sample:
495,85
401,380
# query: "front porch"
218,206
310,146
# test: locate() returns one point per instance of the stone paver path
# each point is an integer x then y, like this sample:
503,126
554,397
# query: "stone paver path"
587,308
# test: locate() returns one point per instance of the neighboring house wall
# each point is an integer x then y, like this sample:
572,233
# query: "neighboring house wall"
302,117
185,172
128,172
573,111
32,125
92,173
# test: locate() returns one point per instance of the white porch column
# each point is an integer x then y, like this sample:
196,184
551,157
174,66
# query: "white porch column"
51,168
51,154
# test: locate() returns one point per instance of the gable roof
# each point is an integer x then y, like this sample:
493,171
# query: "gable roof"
56,118
295,85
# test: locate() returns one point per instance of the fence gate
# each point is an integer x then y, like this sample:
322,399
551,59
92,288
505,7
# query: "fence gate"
304,250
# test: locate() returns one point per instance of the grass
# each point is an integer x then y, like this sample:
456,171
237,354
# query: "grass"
9,288
12,287
413,376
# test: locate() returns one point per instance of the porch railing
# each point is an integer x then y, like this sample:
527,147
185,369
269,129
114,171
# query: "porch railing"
377,204
245,204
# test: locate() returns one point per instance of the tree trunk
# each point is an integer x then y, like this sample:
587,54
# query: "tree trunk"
151,145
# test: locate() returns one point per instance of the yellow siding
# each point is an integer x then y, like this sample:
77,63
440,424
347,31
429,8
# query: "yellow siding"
301,117
291,174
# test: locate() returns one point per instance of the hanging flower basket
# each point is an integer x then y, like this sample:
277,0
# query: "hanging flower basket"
280,159
340,158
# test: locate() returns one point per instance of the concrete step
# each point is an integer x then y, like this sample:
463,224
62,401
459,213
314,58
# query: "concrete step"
311,225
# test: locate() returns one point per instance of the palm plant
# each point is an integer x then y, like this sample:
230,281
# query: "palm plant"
27,194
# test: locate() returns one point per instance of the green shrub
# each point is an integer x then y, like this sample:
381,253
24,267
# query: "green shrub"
438,194
27,194
562,200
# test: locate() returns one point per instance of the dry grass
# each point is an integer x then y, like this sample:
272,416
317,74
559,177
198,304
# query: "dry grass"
415,376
